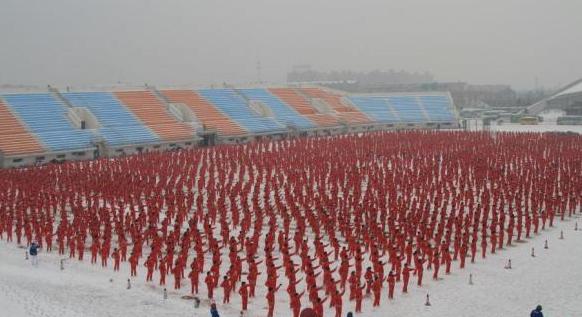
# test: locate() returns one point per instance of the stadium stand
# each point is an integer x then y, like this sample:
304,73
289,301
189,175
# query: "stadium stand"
46,117
14,138
282,112
407,109
303,106
152,112
118,125
233,105
36,128
208,115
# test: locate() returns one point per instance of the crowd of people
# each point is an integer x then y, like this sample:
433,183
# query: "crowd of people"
326,221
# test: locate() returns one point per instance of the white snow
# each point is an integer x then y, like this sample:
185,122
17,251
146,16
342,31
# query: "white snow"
553,279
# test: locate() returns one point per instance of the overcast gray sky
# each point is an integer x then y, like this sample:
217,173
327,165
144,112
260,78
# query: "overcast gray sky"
182,42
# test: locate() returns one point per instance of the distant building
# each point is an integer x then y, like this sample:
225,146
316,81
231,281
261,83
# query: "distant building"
464,94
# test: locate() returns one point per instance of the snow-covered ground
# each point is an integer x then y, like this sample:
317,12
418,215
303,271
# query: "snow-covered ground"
542,127
553,279
547,125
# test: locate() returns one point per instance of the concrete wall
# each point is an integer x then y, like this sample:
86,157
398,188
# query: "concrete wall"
21,161
144,148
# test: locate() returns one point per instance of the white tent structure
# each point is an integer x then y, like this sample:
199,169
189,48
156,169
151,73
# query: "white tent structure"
564,98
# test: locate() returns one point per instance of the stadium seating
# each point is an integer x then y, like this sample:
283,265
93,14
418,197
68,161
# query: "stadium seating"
233,105
345,113
438,108
295,100
152,112
118,125
334,101
14,139
302,106
282,112
376,108
46,117
33,123
408,109
208,115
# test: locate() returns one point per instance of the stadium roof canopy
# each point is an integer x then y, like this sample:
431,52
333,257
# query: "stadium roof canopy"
574,88
569,92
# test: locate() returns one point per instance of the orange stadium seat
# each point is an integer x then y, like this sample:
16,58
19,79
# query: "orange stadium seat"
302,105
14,138
208,115
292,98
153,113
346,113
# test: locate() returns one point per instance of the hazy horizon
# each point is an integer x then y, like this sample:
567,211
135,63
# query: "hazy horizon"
85,43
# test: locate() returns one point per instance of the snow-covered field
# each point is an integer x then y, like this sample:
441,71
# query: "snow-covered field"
553,279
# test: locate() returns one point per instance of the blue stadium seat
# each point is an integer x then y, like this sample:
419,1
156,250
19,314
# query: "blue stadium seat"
46,117
376,108
234,106
118,125
438,108
408,109
282,112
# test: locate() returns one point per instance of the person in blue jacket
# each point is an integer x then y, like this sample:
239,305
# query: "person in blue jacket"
33,251
213,311
537,312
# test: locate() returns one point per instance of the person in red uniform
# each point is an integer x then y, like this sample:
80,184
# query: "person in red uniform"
436,266
271,299
116,257
377,290
226,286
406,277
209,280
337,302
391,284
133,263
483,246
177,272
244,295
163,272
295,303
419,270
358,296
194,276
318,306
369,276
